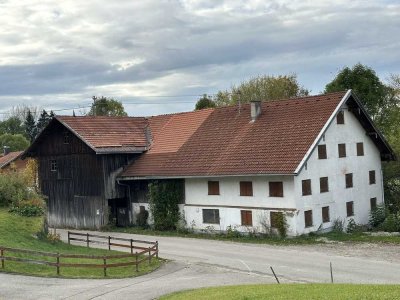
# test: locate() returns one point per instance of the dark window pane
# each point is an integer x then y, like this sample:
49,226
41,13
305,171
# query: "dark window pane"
373,203
53,165
323,185
350,208
211,216
322,152
306,187
325,214
308,220
360,149
372,179
213,187
342,150
340,117
247,217
349,180
276,189
246,188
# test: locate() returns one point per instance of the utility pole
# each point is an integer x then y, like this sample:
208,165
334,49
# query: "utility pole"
94,105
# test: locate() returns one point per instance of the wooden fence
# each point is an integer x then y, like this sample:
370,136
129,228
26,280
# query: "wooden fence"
146,254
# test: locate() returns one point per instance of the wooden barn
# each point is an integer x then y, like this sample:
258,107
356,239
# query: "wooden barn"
78,161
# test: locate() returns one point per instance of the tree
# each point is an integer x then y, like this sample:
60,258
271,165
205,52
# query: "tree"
43,120
30,126
264,88
12,125
16,142
106,107
204,102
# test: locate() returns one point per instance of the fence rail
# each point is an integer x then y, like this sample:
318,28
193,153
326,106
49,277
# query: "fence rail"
146,254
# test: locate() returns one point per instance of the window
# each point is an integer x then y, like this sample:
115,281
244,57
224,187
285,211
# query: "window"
308,218
323,185
372,202
67,137
53,165
213,187
276,189
211,216
246,188
350,208
325,214
306,187
360,149
322,152
349,180
372,179
342,150
275,218
340,117
247,217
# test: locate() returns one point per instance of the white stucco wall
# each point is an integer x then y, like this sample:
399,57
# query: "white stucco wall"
335,169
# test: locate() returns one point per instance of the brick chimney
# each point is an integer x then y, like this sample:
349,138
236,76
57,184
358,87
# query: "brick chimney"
6,150
255,109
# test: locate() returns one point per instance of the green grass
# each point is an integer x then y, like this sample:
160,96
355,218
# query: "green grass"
291,291
358,237
19,232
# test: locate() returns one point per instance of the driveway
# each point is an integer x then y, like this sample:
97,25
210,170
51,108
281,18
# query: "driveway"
198,263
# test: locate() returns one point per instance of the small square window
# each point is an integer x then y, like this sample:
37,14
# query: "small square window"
211,216
350,208
275,218
308,219
306,187
325,214
67,137
372,178
340,117
246,188
342,150
213,187
323,185
360,149
322,152
247,217
373,203
53,165
349,180
276,189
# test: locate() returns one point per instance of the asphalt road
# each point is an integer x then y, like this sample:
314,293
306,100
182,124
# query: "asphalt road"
198,263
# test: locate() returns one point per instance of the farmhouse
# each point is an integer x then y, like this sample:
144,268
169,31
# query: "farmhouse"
11,161
314,159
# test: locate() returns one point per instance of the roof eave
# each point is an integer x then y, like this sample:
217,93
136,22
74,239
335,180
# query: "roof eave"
157,177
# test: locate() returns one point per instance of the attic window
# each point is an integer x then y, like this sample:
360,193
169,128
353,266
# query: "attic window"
340,117
342,150
53,165
67,137
306,187
322,152
360,149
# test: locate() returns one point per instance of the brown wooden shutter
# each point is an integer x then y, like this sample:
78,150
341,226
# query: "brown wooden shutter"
372,179
323,185
276,189
306,187
349,180
360,149
350,208
213,187
342,150
325,214
322,152
308,220
247,217
340,117
246,188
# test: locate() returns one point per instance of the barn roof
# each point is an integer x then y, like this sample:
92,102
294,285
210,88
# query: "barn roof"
5,160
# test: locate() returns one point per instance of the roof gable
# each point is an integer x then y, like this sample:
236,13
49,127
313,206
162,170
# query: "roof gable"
5,160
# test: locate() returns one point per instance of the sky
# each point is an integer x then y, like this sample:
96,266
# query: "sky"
160,56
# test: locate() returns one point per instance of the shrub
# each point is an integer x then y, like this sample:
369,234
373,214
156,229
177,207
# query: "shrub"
377,215
390,224
352,227
281,224
338,225
29,208
232,232
13,188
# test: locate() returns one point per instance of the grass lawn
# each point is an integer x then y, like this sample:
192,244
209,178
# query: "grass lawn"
18,232
291,291
359,237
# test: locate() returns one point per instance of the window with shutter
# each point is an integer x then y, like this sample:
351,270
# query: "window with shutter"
325,214
276,189
372,179
360,149
306,187
308,220
340,117
213,187
323,185
349,180
247,217
350,208
342,150
322,152
246,188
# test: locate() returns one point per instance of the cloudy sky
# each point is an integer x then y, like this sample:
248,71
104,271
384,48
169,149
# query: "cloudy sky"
159,56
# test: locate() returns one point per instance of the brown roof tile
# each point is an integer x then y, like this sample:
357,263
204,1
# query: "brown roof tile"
223,142
8,158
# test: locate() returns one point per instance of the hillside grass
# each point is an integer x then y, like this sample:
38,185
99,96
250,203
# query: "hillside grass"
19,232
291,291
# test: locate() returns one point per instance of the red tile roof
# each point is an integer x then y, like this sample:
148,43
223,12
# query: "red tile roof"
9,158
108,134
223,141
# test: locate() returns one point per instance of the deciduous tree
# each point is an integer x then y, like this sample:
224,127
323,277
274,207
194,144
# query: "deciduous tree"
106,107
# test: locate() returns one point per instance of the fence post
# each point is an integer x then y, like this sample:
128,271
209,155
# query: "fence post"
87,240
330,264
157,249
131,246
149,255
105,266
69,242
109,242
137,263
2,258
58,263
